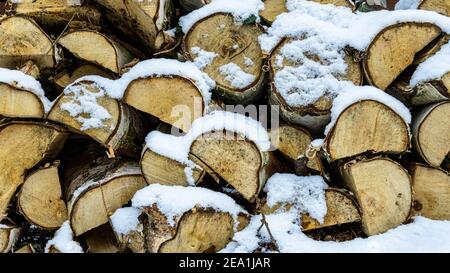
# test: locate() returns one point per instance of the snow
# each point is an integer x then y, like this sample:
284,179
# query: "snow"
305,193
174,201
84,103
125,220
423,235
353,94
63,240
236,76
23,81
434,67
317,142
407,4
241,10
248,61
204,58
177,147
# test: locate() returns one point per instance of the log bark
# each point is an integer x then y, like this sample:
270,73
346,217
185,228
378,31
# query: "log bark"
316,115
8,237
106,53
440,6
40,199
233,44
23,40
190,5
431,134
431,192
143,21
19,103
196,231
123,132
95,192
382,188
393,50
236,160
55,15
24,145
160,97
341,209
292,142
367,127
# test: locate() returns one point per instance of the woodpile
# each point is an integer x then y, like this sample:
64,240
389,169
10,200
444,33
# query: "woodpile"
121,127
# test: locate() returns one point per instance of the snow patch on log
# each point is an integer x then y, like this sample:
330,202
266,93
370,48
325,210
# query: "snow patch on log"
174,201
63,240
236,76
353,94
305,193
434,67
423,235
125,220
241,11
407,4
21,80
204,58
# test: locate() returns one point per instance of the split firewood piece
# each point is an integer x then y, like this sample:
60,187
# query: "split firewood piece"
393,50
65,78
23,146
40,199
432,48
316,114
230,54
292,142
341,209
367,126
101,240
440,6
23,40
273,8
8,237
431,192
160,169
97,191
107,53
31,69
431,134
144,21
206,222
54,15
160,97
382,188
112,124
28,248
128,225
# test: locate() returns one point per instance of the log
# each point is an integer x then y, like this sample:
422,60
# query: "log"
237,66
28,248
40,199
190,5
95,192
196,231
106,53
292,142
9,235
382,188
367,126
313,116
159,97
130,239
101,240
431,48
16,102
122,132
24,145
440,6
143,21
341,209
236,160
159,169
55,15
431,134
431,192
273,8
65,78
23,40
393,50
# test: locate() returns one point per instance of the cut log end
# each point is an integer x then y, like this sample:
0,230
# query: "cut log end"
19,103
440,6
